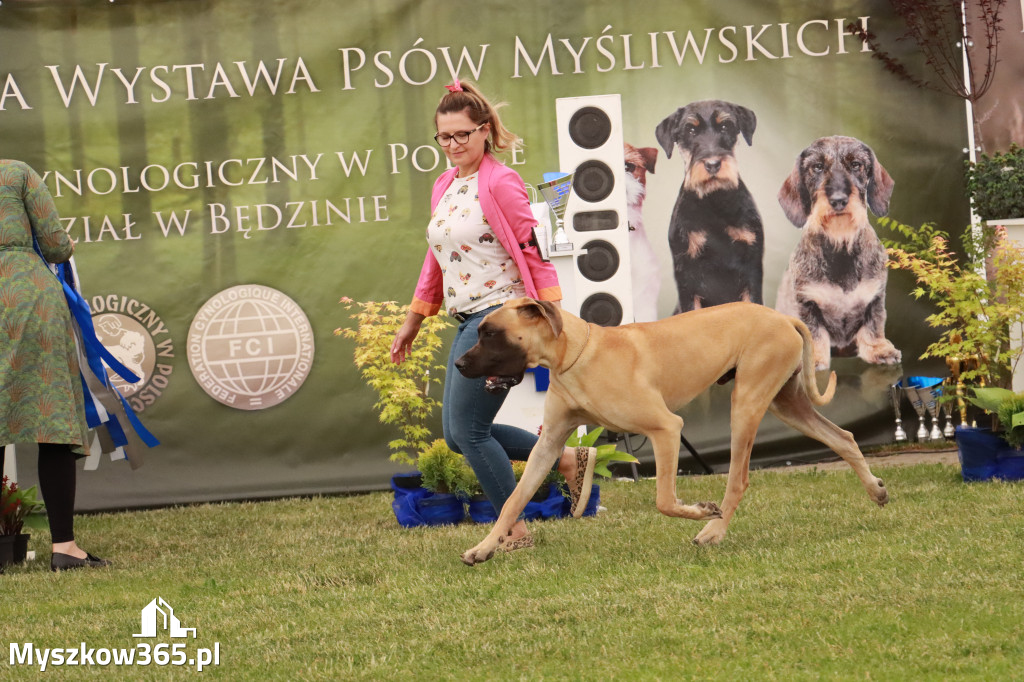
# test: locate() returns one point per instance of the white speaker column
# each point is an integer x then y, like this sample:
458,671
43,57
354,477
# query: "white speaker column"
595,276
590,146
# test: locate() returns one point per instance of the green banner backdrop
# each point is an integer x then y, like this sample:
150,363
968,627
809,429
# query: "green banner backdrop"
229,169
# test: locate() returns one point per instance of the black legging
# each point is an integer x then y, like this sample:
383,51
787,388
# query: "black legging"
56,467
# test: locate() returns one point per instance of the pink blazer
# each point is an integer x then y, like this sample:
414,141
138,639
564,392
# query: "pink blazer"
507,209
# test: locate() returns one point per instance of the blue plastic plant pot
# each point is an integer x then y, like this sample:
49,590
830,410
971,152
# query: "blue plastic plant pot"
1010,464
405,504
533,511
482,511
978,450
554,506
441,509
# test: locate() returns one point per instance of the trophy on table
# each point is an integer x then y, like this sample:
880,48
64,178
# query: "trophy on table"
946,408
923,393
555,191
931,403
895,395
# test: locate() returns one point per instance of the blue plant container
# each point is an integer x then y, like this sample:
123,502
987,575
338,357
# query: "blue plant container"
441,509
482,511
550,507
414,505
407,494
984,455
1010,465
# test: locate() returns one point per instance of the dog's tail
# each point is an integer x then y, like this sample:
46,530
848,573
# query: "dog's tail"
807,370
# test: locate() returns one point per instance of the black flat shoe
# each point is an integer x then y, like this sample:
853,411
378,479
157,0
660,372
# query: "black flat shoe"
63,562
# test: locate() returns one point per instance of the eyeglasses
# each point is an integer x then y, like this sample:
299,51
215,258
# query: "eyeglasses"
462,136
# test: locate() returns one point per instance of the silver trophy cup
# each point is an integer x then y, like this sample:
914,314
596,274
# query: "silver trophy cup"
895,395
931,394
946,409
917,402
556,193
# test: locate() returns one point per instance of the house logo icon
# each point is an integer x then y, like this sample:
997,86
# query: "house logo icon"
158,615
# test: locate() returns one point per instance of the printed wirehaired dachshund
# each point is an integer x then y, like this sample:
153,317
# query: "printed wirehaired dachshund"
715,236
836,278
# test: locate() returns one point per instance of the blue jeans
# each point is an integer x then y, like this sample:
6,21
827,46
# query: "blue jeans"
467,417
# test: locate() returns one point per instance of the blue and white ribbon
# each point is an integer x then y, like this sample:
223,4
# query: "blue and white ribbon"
106,410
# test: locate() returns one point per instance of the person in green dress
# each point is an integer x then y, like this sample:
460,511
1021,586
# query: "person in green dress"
41,398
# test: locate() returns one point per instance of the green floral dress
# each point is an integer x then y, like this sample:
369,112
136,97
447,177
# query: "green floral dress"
40,390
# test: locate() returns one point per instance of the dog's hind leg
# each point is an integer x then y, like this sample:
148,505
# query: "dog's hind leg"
665,439
793,407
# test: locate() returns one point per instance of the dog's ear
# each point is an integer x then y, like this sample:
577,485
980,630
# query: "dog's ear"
533,309
650,156
666,132
747,122
794,198
879,188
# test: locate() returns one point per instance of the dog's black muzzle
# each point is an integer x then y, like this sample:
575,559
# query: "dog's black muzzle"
471,367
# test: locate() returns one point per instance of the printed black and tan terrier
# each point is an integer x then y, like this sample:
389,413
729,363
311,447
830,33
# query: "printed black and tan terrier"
715,235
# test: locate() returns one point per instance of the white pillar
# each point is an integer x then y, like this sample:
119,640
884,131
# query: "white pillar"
10,464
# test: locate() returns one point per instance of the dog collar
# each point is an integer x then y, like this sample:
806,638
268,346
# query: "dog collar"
582,348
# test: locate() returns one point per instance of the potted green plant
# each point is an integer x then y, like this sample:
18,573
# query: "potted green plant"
978,296
450,480
546,502
995,185
979,301
403,395
15,506
403,391
606,455
1008,407
994,452
445,471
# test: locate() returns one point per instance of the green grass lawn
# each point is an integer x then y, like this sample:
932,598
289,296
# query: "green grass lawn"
814,581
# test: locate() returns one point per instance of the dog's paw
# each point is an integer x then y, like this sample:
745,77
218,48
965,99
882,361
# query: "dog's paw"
712,534
706,510
478,554
880,495
880,353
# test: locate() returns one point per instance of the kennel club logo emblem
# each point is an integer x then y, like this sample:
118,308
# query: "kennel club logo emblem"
138,338
250,347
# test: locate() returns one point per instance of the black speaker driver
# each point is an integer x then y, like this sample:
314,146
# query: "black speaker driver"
590,127
600,261
593,181
602,309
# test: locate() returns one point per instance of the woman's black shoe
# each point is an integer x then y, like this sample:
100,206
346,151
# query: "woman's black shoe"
63,562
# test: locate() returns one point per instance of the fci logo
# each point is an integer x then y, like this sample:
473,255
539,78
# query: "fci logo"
158,615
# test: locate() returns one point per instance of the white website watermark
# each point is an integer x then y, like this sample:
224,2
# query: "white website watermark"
157,616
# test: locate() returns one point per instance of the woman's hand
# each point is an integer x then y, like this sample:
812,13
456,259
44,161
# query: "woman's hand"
402,343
